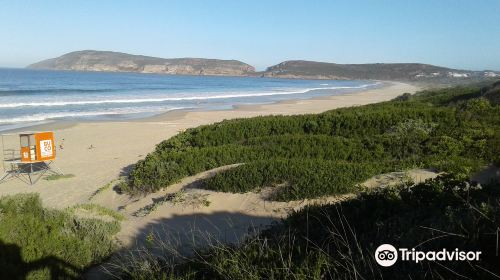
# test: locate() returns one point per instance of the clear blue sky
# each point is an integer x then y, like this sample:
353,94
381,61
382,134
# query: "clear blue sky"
454,33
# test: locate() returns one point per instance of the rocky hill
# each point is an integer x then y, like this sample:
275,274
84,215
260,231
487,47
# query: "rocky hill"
90,60
377,71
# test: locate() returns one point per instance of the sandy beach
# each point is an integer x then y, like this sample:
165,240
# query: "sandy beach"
97,153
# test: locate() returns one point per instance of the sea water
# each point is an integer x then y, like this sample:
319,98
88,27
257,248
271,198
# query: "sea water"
29,97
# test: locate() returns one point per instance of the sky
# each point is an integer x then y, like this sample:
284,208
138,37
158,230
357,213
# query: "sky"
462,34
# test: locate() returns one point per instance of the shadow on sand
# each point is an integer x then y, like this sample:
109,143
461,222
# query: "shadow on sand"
177,237
125,171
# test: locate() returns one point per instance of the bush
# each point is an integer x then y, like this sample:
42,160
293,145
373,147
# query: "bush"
338,241
41,243
451,129
294,179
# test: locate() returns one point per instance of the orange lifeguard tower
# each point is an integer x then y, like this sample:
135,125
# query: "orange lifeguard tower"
33,159
37,147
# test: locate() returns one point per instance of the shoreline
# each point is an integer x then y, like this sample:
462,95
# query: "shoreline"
98,152
282,107
66,122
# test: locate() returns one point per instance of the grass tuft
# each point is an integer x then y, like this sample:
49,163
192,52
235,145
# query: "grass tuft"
54,177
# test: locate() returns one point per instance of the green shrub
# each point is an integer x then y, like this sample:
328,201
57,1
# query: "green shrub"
298,179
42,243
338,241
449,129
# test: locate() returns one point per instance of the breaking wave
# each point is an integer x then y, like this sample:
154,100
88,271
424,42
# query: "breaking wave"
163,99
59,115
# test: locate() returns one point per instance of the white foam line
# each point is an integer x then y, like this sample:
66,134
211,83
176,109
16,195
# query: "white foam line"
145,100
43,117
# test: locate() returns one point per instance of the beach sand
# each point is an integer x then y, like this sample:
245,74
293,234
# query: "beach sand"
99,152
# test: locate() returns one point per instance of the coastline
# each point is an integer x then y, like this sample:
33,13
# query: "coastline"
98,152
23,119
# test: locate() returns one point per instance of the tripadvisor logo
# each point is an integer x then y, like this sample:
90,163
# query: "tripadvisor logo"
387,255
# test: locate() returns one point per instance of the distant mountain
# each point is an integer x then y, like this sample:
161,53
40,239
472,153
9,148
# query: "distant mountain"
376,71
90,60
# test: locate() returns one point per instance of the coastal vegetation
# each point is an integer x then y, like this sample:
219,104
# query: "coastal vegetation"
308,156
454,130
54,177
41,243
338,241
416,72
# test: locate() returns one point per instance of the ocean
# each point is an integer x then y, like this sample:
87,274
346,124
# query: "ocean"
30,97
